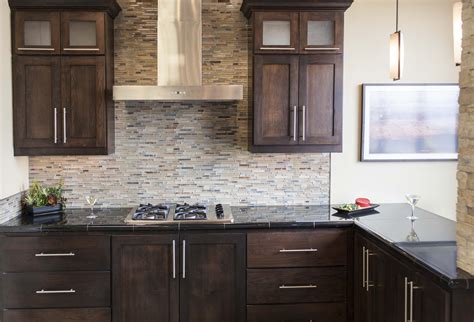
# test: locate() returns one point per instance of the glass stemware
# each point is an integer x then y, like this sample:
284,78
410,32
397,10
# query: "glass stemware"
91,201
412,201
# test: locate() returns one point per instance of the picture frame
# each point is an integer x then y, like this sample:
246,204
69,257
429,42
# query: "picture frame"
409,122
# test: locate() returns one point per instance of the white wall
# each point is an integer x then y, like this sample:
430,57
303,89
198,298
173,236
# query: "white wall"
427,27
13,171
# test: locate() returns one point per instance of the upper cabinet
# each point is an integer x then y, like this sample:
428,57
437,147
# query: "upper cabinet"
297,59
63,77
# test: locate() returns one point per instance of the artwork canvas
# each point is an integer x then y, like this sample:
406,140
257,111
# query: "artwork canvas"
409,122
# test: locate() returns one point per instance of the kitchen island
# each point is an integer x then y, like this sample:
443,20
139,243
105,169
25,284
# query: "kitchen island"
272,262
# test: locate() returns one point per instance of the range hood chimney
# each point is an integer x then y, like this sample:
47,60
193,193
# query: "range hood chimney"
179,60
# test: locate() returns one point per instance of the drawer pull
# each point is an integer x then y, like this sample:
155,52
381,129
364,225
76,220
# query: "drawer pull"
307,250
36,49
81,49
292,287
55,254
321,48
277,48
71,291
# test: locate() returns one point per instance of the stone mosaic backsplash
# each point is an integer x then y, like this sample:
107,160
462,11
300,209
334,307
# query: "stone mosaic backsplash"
10,207
185,152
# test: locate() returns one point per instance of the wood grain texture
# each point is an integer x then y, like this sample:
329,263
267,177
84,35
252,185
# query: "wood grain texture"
323,312
58,315
143,285
92,289
263,248
263,285
276,94
90,253
36,93
83,96
213,289
110,6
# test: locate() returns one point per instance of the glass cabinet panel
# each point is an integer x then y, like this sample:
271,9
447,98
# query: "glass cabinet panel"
276,32
37,33
321,33
82,33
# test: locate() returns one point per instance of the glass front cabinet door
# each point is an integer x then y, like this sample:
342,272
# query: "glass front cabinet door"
82,33
321,32
36,33
276,32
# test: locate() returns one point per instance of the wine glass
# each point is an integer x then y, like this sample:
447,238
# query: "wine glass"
413,236
412,201
91,200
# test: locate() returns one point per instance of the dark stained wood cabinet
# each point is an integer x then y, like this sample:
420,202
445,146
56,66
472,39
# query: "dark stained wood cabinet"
63,76
145,280
212,287
297,75
191,278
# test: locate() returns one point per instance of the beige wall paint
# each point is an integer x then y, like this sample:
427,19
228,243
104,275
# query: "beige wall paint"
427,26
13,171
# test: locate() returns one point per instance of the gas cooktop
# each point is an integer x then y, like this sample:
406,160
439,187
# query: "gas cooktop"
171,213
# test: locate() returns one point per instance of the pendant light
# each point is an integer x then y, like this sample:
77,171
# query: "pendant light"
397,52
457,32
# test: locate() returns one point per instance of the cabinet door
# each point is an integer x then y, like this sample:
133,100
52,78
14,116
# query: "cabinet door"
145,278
83,102
276,32
403,303
275,100
320,98
321,32
36,98
36,33
433,303
212,286
372,283
83,33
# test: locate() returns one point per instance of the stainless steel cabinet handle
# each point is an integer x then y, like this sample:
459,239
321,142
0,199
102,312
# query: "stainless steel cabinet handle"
304,250
81,49
367,267
36,49
406,299
71,291
55,254
184,259
321,48
64,126
276,48
304,123
412,288
55,125
291,287
295,116
174,259
363,267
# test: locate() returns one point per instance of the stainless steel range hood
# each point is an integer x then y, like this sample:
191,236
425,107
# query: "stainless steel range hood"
179,60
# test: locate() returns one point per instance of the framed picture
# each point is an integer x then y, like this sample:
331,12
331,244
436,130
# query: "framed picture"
406,122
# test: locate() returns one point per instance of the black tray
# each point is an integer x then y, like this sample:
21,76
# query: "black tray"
357,211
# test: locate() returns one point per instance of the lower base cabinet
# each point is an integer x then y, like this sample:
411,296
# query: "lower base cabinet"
58,315
323,312
187,278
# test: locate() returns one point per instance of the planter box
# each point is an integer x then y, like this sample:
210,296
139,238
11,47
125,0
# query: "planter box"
43,211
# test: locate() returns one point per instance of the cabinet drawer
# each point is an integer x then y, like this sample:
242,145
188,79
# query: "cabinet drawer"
334,312
58,315
26,254
56,290
320,247
296,285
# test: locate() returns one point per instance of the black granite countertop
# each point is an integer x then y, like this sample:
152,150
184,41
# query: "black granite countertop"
430,241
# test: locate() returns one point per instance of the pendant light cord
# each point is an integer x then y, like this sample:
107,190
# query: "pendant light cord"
396,27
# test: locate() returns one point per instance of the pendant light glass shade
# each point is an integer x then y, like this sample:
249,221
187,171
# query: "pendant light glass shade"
457,32
397,55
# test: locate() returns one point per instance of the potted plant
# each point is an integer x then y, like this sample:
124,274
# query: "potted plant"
44,200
